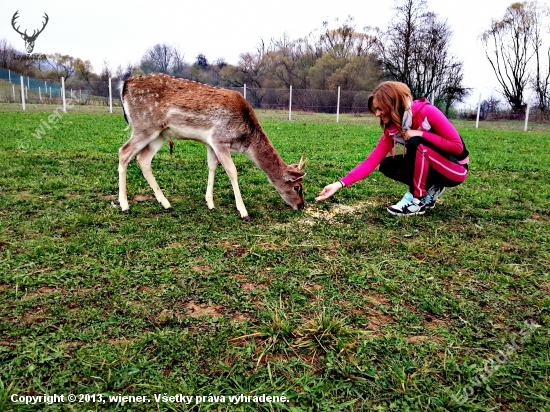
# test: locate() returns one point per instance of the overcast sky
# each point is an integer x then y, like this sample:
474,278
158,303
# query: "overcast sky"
119,32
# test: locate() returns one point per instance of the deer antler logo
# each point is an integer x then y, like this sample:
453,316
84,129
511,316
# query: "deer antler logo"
29,40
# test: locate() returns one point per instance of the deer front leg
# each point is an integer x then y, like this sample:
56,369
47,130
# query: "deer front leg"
212,166
144,159
225,159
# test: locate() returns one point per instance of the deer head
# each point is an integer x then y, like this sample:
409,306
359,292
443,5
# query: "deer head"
29,40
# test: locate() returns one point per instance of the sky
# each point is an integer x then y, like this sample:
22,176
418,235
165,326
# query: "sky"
119,32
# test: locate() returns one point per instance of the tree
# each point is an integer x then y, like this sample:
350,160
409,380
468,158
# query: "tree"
346,40
415,49
62,65
160,58
178,64
541,78
508,47
6,54
451,89
202,61
290,62
250,70
7,60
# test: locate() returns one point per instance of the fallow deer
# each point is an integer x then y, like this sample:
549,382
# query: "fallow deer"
159,108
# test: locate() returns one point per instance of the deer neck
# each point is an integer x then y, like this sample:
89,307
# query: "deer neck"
265,156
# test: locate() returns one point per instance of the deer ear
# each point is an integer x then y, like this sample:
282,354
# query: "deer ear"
293,175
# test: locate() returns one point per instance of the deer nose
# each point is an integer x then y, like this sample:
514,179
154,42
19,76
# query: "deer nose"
301,206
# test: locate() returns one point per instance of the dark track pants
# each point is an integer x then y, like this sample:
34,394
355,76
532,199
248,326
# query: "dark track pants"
422,167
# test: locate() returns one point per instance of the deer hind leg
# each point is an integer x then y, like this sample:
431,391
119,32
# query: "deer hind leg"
144,159
224,157
212,166
133,146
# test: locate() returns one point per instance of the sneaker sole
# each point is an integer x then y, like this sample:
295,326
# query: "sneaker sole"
395,213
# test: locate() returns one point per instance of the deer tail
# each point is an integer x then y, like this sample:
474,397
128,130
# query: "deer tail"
122,90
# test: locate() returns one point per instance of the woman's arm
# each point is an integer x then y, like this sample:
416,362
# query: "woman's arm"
360,171
366,167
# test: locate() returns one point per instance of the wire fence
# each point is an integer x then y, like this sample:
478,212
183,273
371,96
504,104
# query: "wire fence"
315,101
18,89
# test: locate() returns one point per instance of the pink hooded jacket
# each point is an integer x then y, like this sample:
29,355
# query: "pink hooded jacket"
427,118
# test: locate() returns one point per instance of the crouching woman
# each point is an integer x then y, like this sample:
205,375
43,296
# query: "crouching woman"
434,158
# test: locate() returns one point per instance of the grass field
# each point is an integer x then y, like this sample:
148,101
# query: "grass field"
339,307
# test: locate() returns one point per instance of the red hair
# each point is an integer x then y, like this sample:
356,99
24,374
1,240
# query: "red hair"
392,98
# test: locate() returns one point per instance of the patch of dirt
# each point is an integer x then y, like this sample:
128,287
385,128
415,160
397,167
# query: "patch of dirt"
378,321
85,291
253,286
238,317
37,316
120,341
108,198
423,338
143,198
538,217
377,299
434,323
24,194
44,290
312,288
198,311
4,287
72,195
198,268
235,251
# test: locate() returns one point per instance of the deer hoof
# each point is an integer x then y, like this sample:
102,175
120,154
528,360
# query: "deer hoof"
213,209
126,212
170,209
247,219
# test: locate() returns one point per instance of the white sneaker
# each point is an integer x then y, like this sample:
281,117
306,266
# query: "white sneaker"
409,206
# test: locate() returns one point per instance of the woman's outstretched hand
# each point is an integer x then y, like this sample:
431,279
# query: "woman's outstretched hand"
328,191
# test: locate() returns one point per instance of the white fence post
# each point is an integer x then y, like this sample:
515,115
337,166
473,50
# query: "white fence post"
110,97
39,94
338,106
13,87
526,117
63,95
50,92
9,75
22,93
290,105
28,83
244,91
478,109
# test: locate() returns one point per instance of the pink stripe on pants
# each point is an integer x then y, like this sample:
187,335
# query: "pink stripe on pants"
427,158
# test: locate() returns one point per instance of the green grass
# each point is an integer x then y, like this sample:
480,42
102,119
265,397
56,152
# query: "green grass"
338,307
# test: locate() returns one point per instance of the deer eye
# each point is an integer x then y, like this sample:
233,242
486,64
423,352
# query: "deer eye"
297,188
